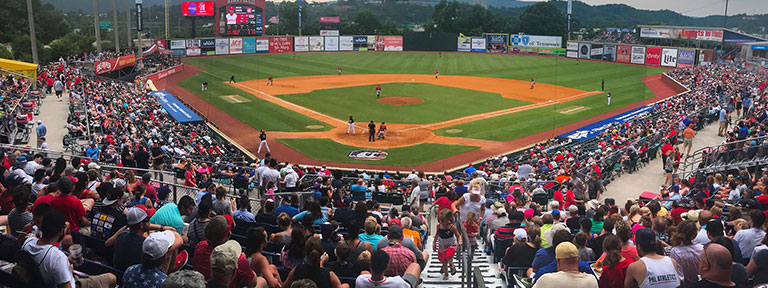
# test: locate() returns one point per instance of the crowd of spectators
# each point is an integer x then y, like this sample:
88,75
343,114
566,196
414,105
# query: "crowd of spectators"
616,37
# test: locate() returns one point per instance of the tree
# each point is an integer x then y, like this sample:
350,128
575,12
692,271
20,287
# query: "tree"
542,18
366,22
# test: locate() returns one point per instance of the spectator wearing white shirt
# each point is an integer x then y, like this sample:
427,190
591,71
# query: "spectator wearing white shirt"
748,239
34,165
290,179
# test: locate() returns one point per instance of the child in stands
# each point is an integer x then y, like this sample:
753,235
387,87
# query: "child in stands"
446,241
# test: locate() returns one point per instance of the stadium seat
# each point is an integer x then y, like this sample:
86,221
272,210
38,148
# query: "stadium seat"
500,247
95,268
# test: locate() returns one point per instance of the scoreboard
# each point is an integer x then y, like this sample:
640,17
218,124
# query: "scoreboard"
240,18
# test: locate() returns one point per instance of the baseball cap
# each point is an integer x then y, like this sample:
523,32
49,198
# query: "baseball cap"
224,257
93,165
517,215
158,243
556,213
715,227
528,214
112,194
520,234
65,184
501,211
645,237
21,160
566,250
135,215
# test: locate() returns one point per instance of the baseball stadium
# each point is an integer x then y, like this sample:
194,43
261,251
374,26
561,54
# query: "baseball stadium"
365,144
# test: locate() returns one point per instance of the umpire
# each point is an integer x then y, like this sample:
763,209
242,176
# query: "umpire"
371,132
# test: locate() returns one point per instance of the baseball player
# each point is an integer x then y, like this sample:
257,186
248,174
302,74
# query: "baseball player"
205,85
382,131
232,79
609,98
532,82
351,125
263,138
338,70
378,91
269,81
436,73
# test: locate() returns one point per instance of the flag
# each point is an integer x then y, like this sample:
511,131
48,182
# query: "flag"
274,20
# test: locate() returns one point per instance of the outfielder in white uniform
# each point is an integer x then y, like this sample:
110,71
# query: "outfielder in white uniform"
609,98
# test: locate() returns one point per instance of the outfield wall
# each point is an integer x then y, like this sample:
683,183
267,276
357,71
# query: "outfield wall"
282,44
672,57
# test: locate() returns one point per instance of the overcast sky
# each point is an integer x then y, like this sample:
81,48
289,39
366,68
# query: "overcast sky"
694,7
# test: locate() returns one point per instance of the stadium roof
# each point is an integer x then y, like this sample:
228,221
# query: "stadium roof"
715,34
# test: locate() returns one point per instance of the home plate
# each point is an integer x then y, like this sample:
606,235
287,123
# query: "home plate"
549,101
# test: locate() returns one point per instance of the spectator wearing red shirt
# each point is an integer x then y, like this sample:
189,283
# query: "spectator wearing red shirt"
217,232
6,198
150,192
445,201
70,206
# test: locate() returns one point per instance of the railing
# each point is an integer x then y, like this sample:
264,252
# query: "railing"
729,155
465,264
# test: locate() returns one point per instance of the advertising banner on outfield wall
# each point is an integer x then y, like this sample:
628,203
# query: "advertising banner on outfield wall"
178,44
573,46
572,54
301,43
609,53
331,43
584,50
329,32
249,45
235,45
371,43
208,43
552,51
346,43
316,43
669,57
622,53
496,42
638,55
686,57
392,43
193,47
179,52
541,41
262,45
478,44
464,44
280,44
652,56
222,46
360,43
596,52
524,50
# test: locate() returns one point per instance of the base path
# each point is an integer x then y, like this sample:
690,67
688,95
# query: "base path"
400,135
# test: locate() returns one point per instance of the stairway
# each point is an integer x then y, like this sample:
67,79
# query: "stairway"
432,277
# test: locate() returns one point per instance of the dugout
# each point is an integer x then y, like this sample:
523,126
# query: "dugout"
429,41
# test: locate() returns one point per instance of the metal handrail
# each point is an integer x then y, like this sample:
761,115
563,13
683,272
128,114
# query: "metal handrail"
466,259
693,164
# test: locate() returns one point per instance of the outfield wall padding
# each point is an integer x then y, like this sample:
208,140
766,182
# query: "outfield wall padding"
426,41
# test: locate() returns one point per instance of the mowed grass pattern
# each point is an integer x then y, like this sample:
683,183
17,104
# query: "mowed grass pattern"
623,81
332,151
440,102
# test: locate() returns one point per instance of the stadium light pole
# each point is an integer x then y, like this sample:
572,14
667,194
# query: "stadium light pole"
725,19
32,35
166,20
96,24
115,26
128,24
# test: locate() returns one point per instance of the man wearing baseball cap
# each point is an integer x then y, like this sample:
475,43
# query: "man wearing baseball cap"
128,244
217,233
157,251
567,256
224,264
108,218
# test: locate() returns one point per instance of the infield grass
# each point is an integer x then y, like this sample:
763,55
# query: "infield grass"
332,151
440,102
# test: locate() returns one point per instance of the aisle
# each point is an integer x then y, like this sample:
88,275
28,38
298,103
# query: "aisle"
53,113
432,277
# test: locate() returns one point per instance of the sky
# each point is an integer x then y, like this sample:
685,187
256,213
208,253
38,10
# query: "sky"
698,8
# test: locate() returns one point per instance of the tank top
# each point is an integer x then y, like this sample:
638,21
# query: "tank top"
354,252
470,206
660,273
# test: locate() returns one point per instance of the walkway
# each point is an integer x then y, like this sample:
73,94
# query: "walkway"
53,113
651,177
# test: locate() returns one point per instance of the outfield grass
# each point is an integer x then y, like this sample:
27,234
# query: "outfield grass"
258,113
440,102
332,151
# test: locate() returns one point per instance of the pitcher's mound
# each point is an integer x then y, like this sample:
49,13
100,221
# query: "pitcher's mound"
398,101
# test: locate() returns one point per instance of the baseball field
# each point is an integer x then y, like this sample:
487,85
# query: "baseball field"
479,106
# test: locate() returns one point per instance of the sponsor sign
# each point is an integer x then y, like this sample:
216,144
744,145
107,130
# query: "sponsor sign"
329,32
262,45
179,52
280,44
609,53
222,46
525,40
332,43
197,8
346,43
496,43
166,73
328,19
584,50
178,44
552,51
638,55
193,47
654,32
368,155
316,43
372,43
573,46
759,47
393,43
249,45
207,43
622,53
596,128
235,45
596,51
702,34
301,43
652,56
478,44
161,44
525,50
669,57
622,30
173,106
114,64
572,54
360,39
464,44
686,57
